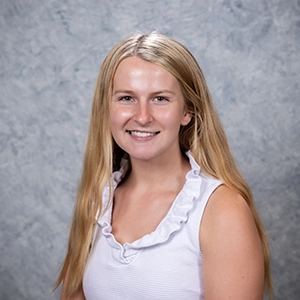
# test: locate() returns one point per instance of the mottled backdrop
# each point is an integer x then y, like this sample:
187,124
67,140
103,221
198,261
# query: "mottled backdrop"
50,53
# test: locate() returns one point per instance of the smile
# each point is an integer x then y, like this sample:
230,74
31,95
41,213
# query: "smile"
142,134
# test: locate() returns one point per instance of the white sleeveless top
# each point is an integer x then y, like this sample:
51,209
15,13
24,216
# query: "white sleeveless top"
165,264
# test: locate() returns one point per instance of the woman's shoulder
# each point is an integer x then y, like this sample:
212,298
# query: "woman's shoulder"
231,246
226,208
227,199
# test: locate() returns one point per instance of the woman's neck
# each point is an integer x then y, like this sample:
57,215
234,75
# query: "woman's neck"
166,170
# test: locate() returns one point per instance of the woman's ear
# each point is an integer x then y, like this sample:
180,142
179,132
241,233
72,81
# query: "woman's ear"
187,116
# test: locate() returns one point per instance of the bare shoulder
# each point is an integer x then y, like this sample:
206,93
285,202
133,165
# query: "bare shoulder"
226,204
227,218
231,247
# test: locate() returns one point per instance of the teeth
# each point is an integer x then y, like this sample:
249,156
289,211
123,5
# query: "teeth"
142,134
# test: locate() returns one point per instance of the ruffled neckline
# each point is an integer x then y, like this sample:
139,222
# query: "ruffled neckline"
171,223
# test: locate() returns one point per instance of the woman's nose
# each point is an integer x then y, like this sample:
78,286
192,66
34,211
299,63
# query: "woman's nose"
143,114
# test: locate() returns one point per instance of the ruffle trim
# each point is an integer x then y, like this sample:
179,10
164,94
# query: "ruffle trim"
172,222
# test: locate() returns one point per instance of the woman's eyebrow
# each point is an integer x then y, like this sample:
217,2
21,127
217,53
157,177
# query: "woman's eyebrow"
122,92
153,93
163,92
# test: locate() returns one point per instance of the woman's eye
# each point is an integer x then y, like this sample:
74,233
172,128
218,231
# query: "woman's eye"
161,98
126,98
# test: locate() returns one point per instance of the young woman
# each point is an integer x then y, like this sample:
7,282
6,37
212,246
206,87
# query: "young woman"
162,211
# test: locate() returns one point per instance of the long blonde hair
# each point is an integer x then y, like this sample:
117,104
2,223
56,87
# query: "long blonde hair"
204,136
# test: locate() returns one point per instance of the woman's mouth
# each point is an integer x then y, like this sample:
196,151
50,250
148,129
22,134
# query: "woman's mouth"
142,134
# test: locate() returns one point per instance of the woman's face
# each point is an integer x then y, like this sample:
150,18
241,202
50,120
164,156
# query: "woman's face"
147,110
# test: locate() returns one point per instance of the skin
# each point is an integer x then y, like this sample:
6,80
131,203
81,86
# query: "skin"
147,110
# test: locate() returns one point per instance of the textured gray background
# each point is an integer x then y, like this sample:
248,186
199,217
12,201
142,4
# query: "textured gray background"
50,53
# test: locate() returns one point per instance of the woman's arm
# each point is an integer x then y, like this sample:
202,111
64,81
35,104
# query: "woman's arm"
233,266
78,296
